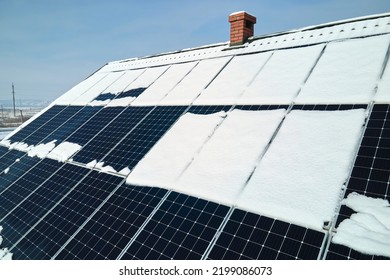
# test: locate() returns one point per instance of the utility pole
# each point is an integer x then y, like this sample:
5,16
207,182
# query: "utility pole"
13,95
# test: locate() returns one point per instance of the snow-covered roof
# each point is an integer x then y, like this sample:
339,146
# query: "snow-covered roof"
215,152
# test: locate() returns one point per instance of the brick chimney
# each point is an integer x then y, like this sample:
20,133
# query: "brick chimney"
241,27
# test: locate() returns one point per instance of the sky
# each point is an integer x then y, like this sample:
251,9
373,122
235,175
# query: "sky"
47,46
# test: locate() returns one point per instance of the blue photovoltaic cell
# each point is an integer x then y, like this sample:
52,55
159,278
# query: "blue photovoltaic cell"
105,96
260,107
112,227
36,124
67,216
251,236
370,174
8,157
131,93
329,107
182,228
67,128
103,142
95,124
205,110
142,138
39,201
62,117
16,171
10,197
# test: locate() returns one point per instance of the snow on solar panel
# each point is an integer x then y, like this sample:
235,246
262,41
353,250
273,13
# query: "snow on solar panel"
132,148
227,87
369,177
97,89
117,87
383,94
147,78
72,94
195,82
280,85
165,162
159,89
225,162
347,72
314,151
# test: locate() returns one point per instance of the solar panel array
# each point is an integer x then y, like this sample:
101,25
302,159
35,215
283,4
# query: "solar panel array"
84,209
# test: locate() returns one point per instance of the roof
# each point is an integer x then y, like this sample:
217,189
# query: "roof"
276,149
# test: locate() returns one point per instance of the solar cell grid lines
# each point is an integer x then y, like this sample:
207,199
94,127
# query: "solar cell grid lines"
39,134
111,135
370,174
67,216
112,227
182,228
43,118
141,139
250,236
16,170
94,125
39,200
67,128
26,184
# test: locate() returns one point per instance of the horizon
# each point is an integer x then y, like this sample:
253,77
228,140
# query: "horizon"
50,47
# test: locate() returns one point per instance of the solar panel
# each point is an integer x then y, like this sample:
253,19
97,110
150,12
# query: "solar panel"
370,174
16,170
108,137
40,133
68,127
251,236
95,124
8,157
112,227
35,198
182,228
52,231
141,139
36,124
10,197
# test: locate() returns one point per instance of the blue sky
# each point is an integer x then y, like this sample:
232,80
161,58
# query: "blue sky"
48,46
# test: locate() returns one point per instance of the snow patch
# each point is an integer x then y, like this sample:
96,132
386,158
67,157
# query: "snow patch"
64,151
196,81
164,163
6,170
125,171
231,82
108,169
300,177
367,231
5,143
41,150
4,253
221,169
91,164
20,146
347,72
